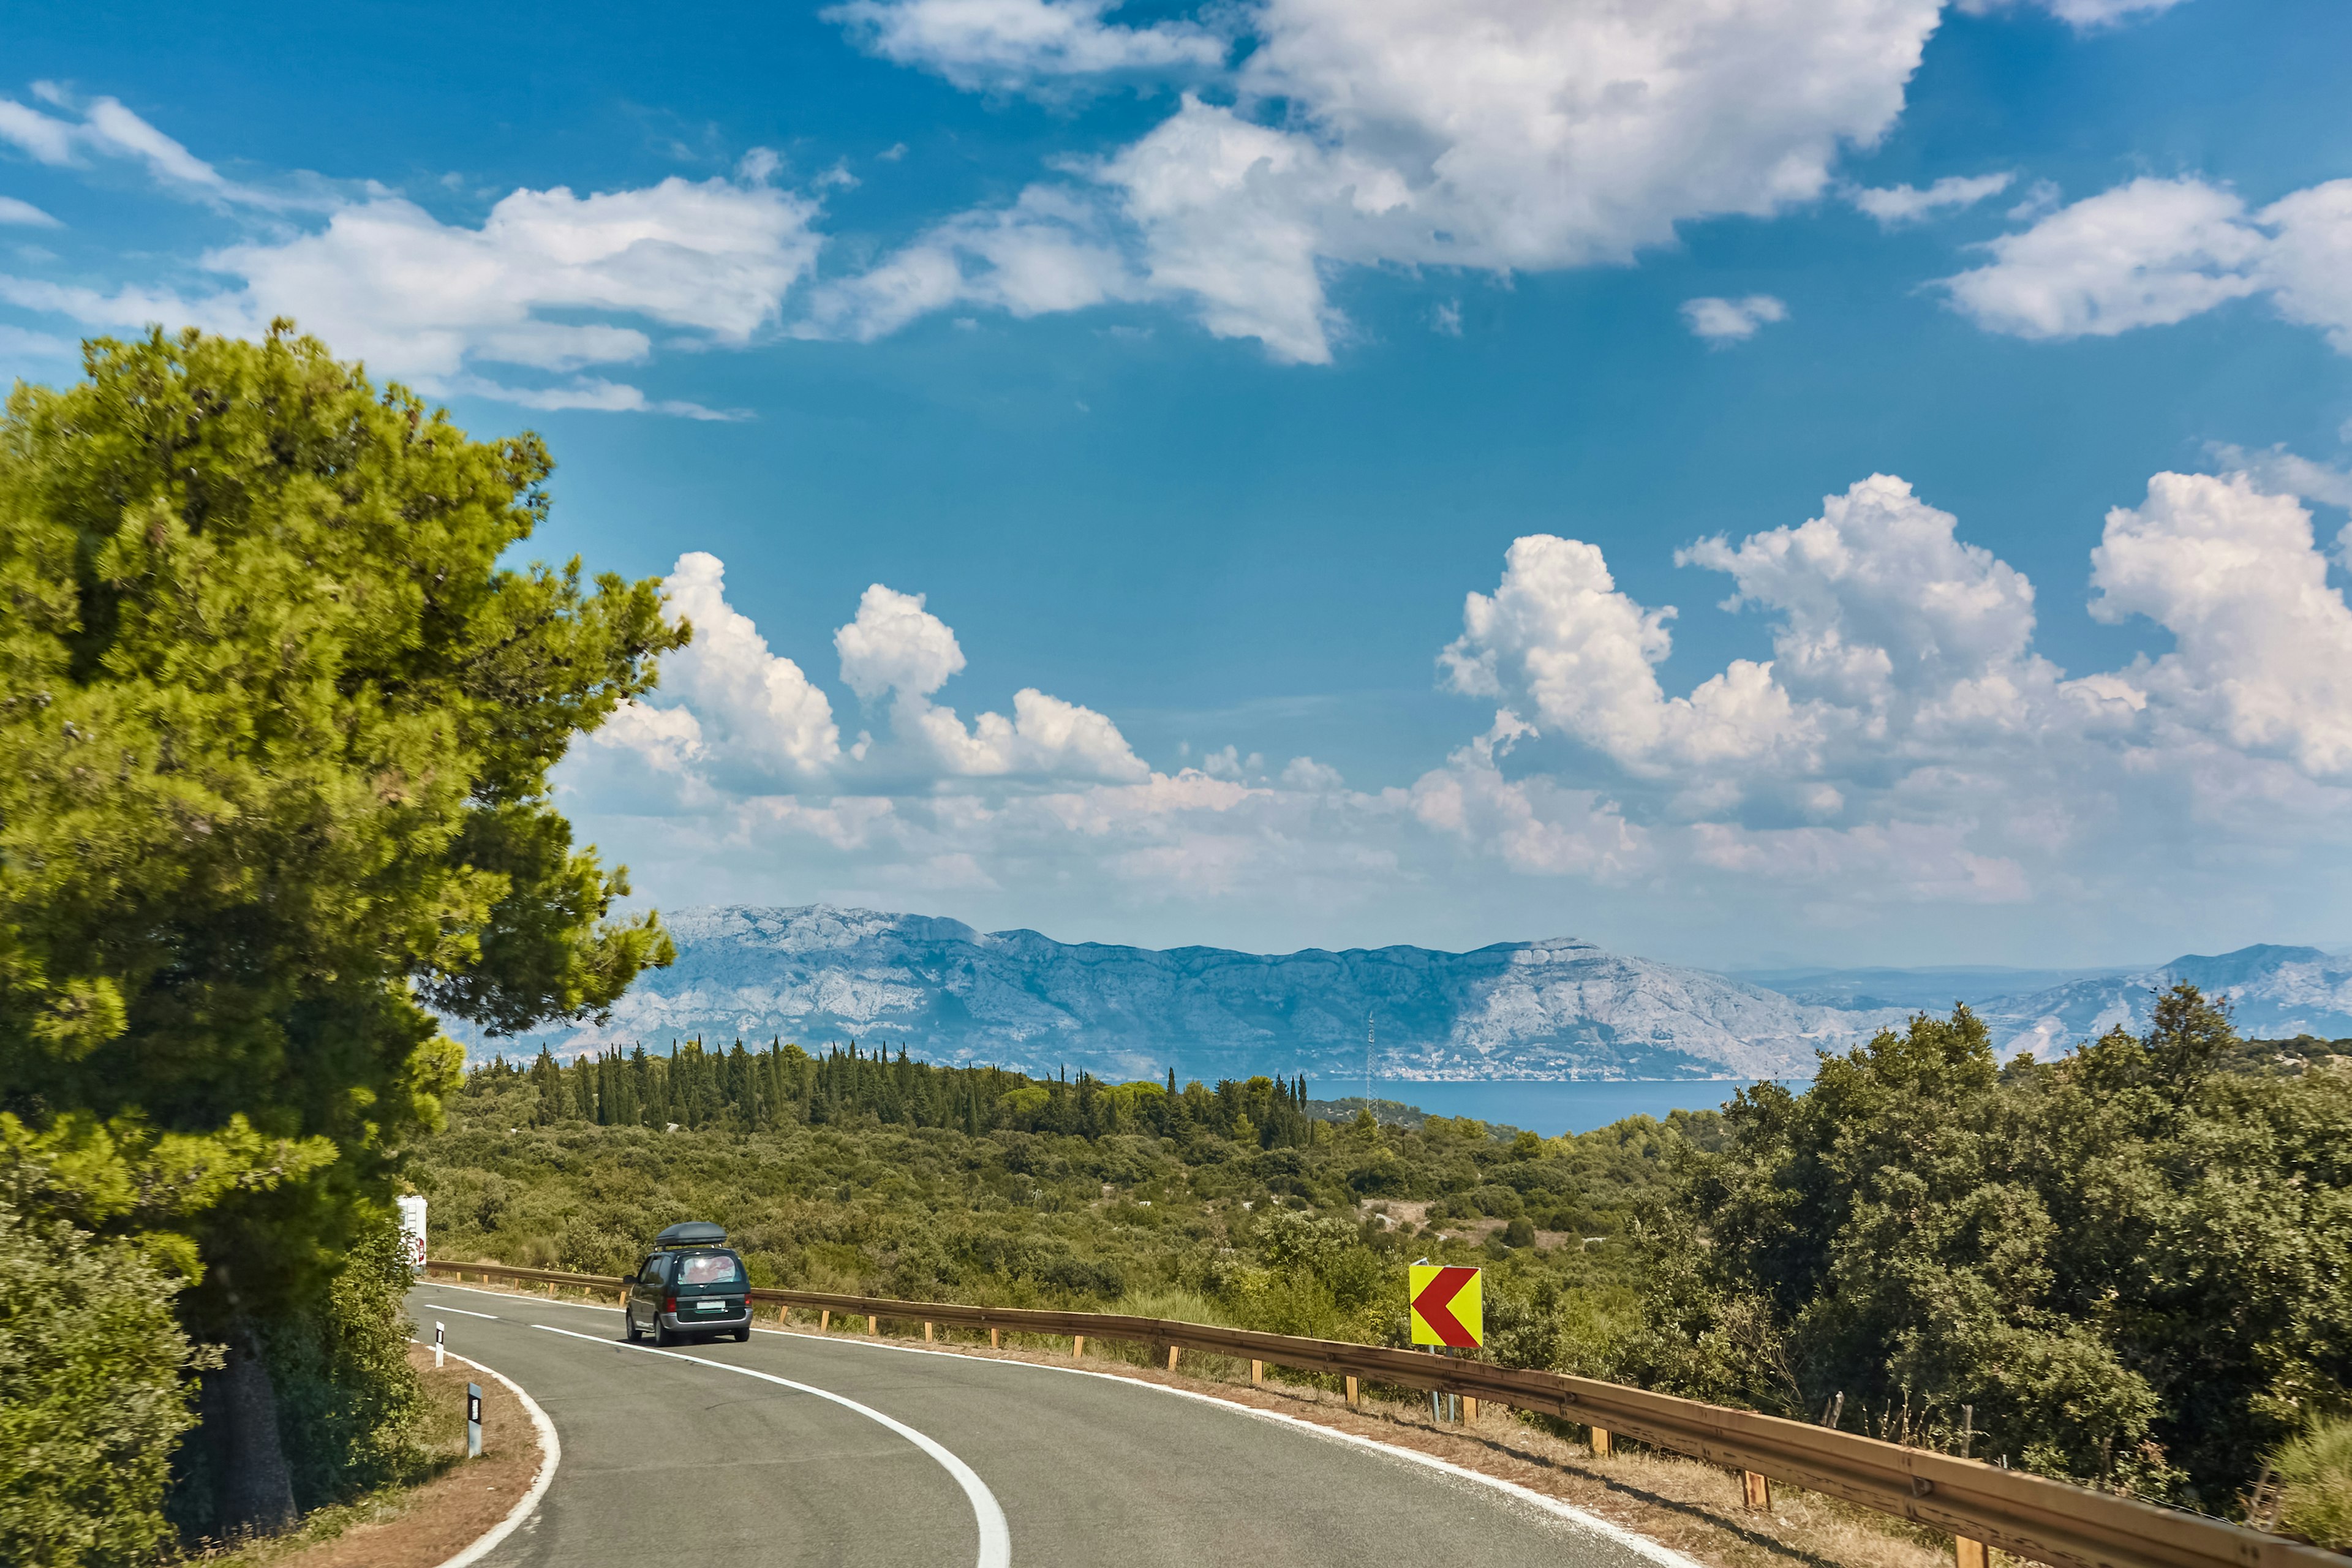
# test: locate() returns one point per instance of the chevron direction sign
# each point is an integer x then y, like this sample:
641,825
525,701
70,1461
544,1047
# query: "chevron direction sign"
1447,1305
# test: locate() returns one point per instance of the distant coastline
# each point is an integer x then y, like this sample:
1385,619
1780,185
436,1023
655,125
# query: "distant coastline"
1545,1106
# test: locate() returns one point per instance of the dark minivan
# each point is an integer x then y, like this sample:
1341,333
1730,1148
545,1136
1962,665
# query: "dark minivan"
691,1284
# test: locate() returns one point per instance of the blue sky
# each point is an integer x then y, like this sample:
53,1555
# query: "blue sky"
1974,384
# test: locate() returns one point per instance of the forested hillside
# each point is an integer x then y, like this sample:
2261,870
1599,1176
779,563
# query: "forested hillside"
2127,1267
892,1176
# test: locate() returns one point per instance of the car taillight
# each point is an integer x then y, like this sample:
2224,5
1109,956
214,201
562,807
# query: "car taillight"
669,1303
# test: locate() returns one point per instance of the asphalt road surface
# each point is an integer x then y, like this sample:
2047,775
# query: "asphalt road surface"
793,1450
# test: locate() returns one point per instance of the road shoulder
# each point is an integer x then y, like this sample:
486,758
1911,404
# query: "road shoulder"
452,1520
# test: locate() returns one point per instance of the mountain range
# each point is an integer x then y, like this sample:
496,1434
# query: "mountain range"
2274,992
1553,1009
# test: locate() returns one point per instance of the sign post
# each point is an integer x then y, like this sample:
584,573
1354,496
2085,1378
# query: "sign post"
1449,1311
1448,1305
473,1421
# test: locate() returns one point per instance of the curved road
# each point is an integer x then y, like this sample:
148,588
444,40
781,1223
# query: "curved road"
796,1450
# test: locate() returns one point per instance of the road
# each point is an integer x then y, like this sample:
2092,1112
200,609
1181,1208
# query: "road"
793,1450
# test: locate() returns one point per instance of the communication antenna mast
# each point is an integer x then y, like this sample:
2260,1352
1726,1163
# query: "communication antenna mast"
1369,1036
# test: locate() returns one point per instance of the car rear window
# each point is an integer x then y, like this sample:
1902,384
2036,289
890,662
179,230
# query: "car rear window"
709,1269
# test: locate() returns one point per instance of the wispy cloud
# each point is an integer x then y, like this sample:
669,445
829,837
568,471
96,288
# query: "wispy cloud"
1894,205
1023,44
24,215
549,281
1722,322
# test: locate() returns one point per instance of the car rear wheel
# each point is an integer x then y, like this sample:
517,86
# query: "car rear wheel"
662,1336
743,1334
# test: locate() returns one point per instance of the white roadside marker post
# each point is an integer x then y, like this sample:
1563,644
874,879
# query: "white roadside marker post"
473,1421
437,1333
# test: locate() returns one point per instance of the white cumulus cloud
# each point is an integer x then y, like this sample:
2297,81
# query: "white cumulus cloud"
1885,618
1720,321
2262,643
1008,44
552,281
894,644
420,298
725,696
898,648
1904,759
1500,134
1558,636
2155,252
1906,742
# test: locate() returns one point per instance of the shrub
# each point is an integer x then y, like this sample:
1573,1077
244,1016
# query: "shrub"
351,1406
1499,1201
2315,1472
92,1397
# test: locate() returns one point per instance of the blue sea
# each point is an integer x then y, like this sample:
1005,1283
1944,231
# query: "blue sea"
1549,1108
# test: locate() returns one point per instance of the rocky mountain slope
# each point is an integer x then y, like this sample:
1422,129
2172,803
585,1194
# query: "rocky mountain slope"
2274,992
1553,1009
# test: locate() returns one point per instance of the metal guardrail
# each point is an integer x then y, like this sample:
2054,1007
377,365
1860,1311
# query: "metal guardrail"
2026,1515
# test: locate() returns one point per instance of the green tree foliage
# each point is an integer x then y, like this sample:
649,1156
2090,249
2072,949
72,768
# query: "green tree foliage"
2128,1265
92,1362
862,1170
781,1085
278,727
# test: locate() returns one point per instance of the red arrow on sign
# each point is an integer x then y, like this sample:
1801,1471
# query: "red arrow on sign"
1435,1306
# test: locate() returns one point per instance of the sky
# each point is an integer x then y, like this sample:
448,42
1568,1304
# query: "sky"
1743,481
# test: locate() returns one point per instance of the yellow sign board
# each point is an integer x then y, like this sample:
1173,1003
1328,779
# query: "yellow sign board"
1448,1305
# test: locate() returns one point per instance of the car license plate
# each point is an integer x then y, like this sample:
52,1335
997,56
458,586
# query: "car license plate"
710,1306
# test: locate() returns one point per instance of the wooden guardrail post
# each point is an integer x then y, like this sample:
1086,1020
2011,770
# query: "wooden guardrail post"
1173,1350
1756,1491
1078,1347
1257,1372
1469,1410
1354,1400
874,1324
824,1321
927,1333
1601,1447
994,1342
1966,1553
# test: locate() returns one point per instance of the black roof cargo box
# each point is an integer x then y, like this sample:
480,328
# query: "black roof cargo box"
692,1232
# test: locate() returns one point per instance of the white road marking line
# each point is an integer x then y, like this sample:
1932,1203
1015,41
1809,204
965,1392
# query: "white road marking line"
445,1306
995,1535
518,1296
1665,1556
551,1454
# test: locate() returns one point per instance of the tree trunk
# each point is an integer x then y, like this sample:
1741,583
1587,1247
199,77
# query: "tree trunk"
257,1487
